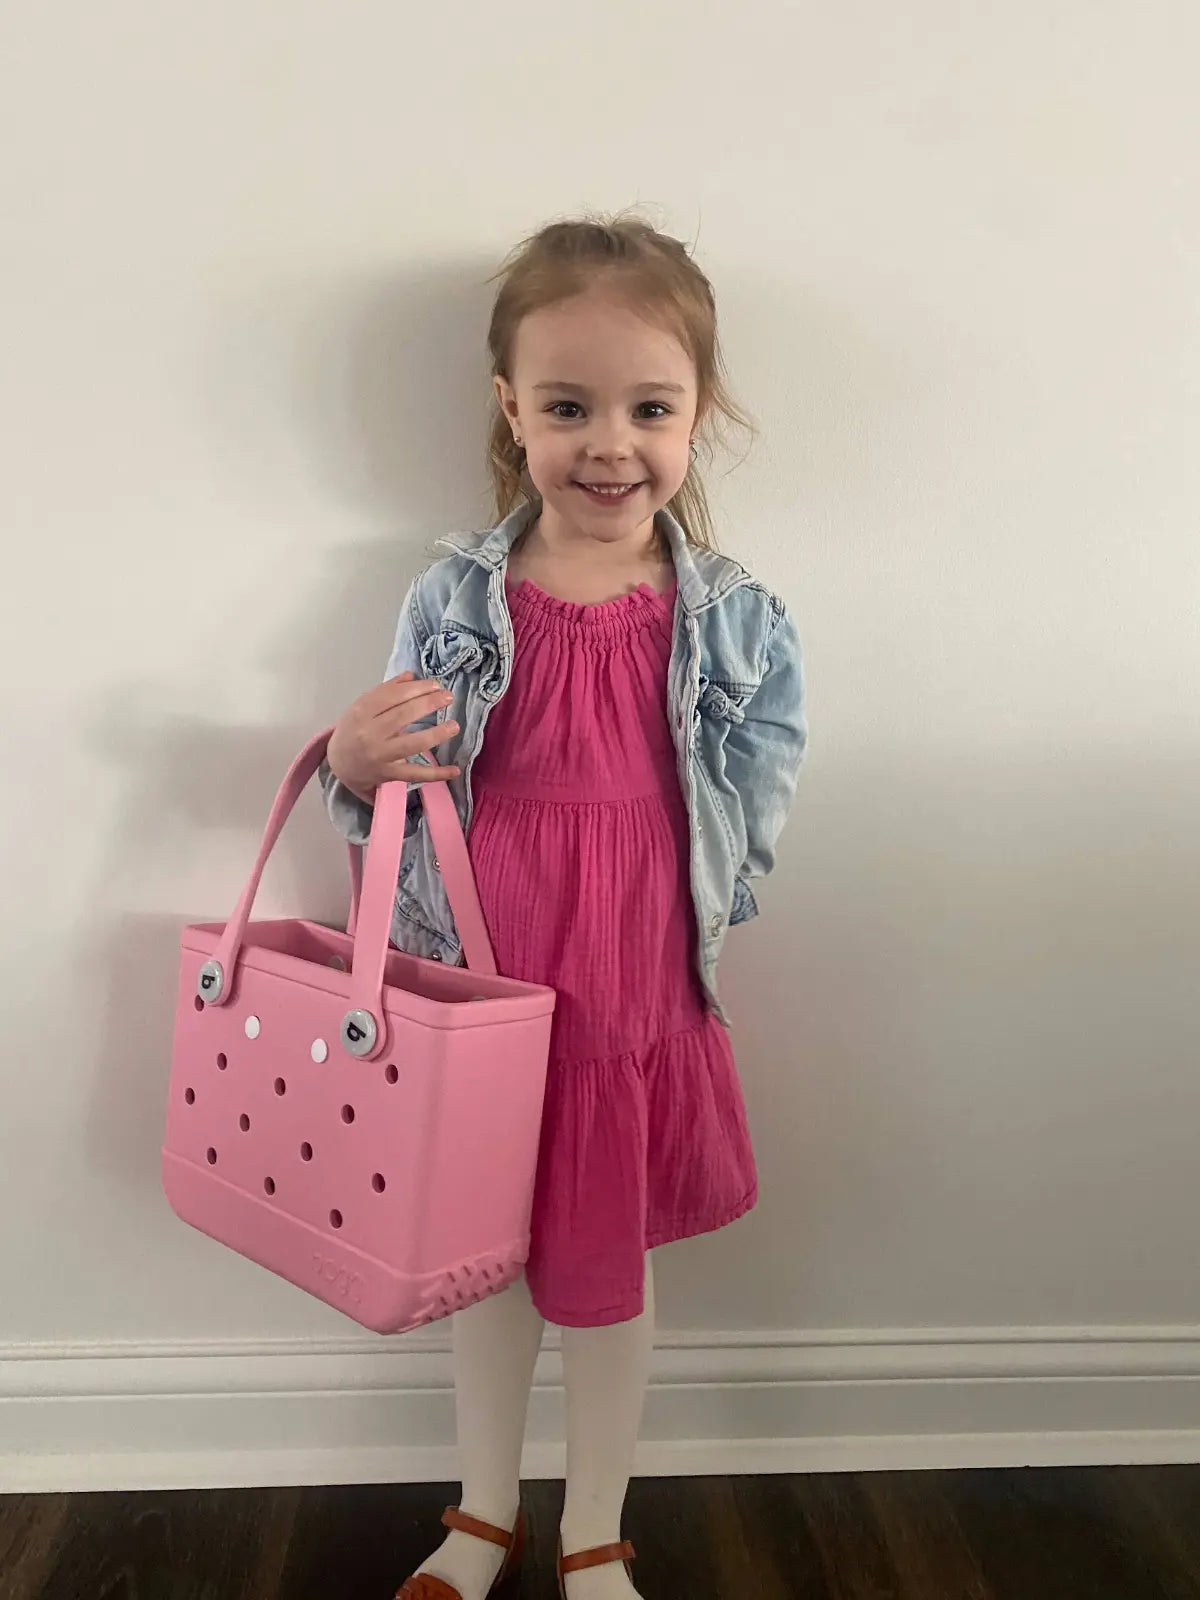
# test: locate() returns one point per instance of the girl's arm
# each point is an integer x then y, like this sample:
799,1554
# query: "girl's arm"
763,756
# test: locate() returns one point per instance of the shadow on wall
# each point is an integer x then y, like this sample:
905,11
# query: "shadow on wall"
380,390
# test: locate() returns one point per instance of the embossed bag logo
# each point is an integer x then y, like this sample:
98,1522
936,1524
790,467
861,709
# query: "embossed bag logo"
345,1282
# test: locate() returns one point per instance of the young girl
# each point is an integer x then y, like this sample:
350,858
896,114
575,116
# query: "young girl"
625,725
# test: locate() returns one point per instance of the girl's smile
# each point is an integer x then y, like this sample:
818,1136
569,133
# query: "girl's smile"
609,494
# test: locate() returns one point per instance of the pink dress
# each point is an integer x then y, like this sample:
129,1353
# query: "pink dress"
580,847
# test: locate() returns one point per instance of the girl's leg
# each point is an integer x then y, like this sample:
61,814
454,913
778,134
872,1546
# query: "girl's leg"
606,1372
496,1347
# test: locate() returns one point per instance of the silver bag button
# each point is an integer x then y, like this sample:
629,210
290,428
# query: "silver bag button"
359,1032
210,985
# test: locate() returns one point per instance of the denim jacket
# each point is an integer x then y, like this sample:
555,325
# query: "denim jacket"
735,699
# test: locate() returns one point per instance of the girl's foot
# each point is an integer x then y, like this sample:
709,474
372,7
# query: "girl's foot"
601,1583
603,1580
471,1559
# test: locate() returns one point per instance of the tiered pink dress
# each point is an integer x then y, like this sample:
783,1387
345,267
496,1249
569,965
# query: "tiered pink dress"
580,847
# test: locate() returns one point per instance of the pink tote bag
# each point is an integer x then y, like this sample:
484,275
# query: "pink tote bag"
362,1122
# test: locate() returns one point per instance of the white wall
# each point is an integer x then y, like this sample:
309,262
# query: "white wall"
242,389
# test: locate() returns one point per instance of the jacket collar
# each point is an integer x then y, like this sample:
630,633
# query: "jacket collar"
703,576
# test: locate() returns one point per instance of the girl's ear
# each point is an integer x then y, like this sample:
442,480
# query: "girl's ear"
507,400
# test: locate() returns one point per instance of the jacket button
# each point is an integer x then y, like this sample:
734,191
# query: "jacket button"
715,926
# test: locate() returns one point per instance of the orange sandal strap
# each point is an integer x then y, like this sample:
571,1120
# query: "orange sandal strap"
459,1522
604,1555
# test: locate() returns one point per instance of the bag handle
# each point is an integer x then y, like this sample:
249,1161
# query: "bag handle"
364,1028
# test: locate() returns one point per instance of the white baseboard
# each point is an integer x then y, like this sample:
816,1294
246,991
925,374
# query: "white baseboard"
362,1410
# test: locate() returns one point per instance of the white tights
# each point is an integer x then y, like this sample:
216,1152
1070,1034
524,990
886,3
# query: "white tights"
496,1347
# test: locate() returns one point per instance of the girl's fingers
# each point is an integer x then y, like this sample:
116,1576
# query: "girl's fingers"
407,693
418,772
397,719
423,739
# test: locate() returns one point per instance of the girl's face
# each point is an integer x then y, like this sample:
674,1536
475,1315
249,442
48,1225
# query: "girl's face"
604,403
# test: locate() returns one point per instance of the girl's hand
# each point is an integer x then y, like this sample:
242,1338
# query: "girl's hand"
372,745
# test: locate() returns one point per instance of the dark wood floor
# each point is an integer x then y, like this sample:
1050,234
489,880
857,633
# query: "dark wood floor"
1095,1534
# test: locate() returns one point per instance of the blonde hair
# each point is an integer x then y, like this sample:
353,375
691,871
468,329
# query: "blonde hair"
658,275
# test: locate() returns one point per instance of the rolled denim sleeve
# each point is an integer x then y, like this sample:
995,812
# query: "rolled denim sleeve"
351,816
765,751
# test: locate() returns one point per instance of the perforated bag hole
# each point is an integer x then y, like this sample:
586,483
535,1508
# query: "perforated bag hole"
244,1123
306,1151
280,1086
335,1219
212,1156
269,1185
190,1096
391,1074
378,1182
347,1113
222,1061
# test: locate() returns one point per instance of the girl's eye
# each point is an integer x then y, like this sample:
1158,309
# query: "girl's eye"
647,411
